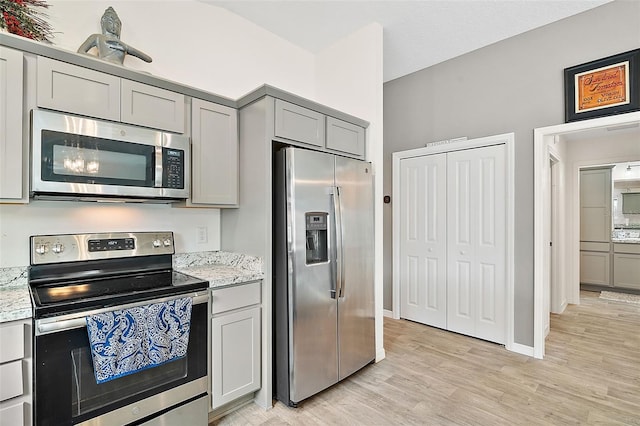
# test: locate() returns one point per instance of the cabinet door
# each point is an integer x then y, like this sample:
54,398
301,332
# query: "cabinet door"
69,88
299,124
235,355
626,270
214,154
11,146
345,137
595,205
153,107
595,267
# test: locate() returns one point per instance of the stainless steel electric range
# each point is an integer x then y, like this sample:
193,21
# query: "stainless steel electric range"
75,277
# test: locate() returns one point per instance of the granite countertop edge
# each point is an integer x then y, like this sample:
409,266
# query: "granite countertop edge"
219,268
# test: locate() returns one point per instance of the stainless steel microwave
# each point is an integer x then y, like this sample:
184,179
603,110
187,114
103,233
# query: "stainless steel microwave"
81,158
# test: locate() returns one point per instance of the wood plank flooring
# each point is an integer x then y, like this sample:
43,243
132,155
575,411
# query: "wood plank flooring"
590,376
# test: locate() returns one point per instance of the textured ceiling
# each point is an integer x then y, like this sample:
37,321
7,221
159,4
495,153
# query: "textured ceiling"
417,34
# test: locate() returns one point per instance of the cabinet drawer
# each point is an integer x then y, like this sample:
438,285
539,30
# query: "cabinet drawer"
299,124
345,137
235,297
11,342
592,246
12,415
626,248
69,88
153,107
11,379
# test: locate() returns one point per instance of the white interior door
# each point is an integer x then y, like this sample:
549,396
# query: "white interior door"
423,290
476,240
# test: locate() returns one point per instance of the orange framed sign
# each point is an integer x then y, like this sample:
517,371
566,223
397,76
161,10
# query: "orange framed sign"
604,87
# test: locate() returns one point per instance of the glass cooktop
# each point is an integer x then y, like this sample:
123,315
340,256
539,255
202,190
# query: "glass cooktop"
100,292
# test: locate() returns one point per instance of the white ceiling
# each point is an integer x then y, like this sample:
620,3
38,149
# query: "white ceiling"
417,33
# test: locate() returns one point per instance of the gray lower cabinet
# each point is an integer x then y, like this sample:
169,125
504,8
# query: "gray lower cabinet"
303,125
595,263
12,160
15,373
626,266
214,155
235,343
73,89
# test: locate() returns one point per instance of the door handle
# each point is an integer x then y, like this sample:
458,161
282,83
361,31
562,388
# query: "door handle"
337,214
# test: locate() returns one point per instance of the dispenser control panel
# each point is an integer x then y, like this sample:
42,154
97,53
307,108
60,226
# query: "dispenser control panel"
316,235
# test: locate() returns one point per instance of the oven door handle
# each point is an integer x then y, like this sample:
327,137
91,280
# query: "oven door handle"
51,325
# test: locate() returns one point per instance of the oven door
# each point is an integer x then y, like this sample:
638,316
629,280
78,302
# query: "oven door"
65,388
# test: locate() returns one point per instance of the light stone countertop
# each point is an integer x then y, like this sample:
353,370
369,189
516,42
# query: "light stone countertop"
219,268
15,300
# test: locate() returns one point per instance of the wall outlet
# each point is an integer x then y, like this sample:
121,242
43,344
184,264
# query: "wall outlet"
202,236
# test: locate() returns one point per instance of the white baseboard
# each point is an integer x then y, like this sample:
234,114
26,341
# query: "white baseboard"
387,313
521,349
380,355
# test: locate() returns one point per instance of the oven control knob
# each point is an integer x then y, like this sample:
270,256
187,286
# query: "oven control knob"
42,249
157,243
167,242
57,248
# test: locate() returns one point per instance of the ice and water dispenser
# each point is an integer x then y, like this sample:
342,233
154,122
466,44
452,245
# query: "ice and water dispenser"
317,244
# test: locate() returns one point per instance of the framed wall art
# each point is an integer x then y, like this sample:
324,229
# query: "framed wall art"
603,87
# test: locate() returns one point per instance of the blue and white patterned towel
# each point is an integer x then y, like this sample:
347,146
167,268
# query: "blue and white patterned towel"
129,340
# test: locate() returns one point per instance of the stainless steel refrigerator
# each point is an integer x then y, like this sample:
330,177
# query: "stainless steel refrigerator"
323,284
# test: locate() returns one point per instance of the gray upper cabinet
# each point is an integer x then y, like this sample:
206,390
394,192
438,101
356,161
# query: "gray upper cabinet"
595,204
345,137
214,154
69,88
308,127
78,90
299,124
150,106
12,160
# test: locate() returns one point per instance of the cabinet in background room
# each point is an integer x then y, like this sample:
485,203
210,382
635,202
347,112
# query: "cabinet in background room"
595,226
626,265
214,154
12,160
595,263
15,373
70,88
595,204
235,343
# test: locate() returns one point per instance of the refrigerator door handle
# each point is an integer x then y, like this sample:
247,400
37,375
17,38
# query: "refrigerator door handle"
337,208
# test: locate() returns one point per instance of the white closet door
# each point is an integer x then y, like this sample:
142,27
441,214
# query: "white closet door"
423,252
476,242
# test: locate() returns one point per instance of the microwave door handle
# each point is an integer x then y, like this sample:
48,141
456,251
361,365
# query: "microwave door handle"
158,170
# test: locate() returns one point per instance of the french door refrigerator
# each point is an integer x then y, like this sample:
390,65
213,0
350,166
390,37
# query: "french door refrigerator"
323,284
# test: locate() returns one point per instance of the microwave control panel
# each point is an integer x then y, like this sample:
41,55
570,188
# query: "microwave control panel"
172,168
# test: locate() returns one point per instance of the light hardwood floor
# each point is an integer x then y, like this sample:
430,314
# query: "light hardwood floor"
590,375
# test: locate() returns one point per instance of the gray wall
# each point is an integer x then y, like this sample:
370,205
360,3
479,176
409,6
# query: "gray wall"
514,85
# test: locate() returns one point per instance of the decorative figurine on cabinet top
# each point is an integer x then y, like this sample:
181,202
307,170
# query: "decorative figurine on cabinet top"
110,47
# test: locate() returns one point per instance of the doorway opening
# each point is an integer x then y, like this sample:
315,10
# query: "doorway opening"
574,145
